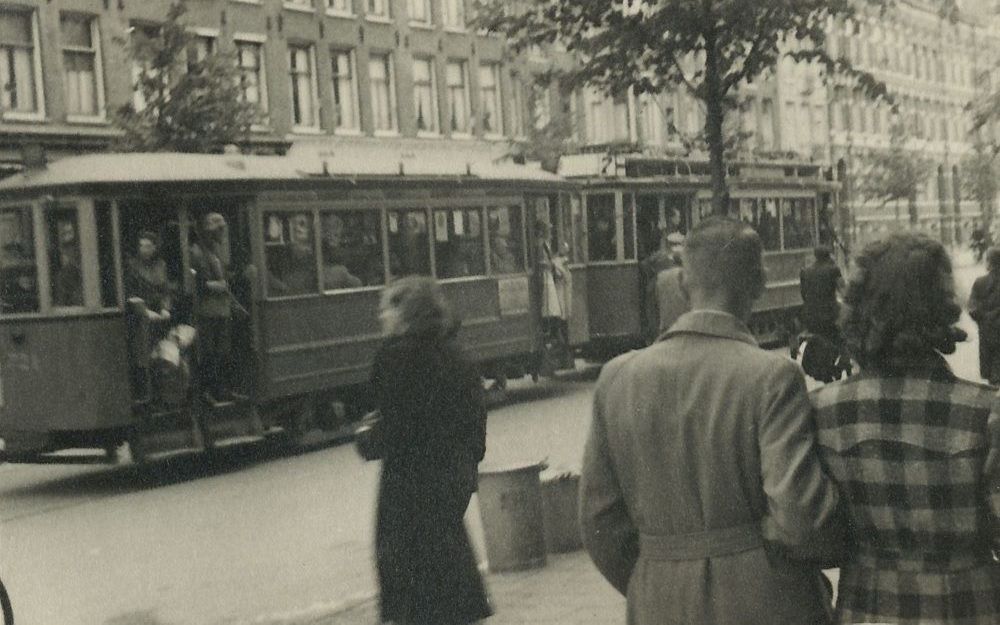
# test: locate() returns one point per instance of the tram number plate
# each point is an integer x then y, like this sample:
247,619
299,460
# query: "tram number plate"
513,295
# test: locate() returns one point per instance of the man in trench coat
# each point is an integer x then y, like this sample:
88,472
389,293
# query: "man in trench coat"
700,479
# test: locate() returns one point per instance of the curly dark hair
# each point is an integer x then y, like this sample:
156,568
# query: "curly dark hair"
900,302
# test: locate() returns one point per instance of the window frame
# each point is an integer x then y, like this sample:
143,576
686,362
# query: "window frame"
292,5
389,64
435,129
478,205
494,70
316,126
508,202
358,207
37,249
259,42
415,22
338,128
93,24
447,14
338,12
286,211
39,114
463,65
384,15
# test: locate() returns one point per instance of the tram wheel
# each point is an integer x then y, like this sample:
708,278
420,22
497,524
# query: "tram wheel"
301,424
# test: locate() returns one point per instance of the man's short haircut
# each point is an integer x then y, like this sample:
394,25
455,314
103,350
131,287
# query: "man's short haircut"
822,252
725,255
993,258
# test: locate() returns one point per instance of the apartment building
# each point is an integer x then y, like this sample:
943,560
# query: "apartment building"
384,70
933,67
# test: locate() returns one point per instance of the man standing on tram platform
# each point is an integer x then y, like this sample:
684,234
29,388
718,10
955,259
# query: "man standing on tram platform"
213,308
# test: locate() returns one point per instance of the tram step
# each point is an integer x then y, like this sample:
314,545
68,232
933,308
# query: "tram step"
172,453
232,441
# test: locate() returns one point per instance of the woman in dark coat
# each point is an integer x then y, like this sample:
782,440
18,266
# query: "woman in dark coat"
984,308
434,432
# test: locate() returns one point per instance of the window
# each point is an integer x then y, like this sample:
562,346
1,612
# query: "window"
380,75
250,60
345,91
458,242
302,74
490,103
141,36
454,14
409,247
762,215
20,80
18,269
81,65
579,230
65,260
200,48
766,129
425,106
351,249
420,11
378,9
106,254
601,226
517,126
798,217
344,7
289,253
456,75
506,239
541,113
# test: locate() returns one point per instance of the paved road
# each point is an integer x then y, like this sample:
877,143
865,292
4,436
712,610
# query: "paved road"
250,537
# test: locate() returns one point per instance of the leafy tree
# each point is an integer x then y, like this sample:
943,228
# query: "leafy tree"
979,178
896,174
709,47
188,105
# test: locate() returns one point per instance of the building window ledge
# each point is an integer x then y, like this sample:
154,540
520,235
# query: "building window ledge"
465,136
422,25
428,134
386,133
347,132
492,136
458,30
341,14
306,130
260,128
97,120
299,8
14,116
378,19
254,2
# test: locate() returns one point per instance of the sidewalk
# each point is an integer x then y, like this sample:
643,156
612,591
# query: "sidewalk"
567,591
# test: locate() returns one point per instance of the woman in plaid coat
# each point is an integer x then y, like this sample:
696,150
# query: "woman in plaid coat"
915,450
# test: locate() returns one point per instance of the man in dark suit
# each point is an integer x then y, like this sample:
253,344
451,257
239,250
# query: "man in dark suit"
819,285
984,308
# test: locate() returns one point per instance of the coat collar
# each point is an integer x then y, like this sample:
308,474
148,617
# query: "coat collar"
711,323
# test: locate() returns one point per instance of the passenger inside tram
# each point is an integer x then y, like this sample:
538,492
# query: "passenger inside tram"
336,274
18,281
64,255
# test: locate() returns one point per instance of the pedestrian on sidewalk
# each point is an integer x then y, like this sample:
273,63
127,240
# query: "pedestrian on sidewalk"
671,293
916,449
700,476
433,432
984,308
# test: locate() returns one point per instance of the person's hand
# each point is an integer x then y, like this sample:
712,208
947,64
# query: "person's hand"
152,315
165,315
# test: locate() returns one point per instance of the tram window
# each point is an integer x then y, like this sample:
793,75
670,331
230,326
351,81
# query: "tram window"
458,242
762,214
106,254
409,248
601,226
65,260
675,211
629,226
506,239
798,217
352,249
18,270
579,230
289,253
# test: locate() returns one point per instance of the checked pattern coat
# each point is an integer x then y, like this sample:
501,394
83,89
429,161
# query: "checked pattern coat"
917,458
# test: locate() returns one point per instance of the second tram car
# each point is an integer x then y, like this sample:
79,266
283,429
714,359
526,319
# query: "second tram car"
629,201
308,246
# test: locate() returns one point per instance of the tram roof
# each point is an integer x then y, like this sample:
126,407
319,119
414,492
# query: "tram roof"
160,167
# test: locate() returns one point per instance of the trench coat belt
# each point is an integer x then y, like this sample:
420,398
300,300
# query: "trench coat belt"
699,545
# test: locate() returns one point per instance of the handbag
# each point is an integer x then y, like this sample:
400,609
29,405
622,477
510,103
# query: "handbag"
368,436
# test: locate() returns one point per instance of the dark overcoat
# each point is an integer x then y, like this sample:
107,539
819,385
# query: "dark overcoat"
434,421
984,308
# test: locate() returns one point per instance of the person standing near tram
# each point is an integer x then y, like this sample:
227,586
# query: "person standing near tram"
213,308
147,290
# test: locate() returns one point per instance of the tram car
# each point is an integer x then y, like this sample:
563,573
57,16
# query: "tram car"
310,239
631,200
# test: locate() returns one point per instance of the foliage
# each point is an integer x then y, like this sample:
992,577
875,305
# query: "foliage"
709,47
189,105
979,177
897,173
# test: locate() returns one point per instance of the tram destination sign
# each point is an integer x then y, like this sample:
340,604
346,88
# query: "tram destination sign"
513,295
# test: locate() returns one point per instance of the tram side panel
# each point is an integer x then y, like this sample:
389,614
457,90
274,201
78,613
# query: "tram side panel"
85,358
614,304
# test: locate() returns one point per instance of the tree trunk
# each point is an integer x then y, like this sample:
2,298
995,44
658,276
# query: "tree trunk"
714,118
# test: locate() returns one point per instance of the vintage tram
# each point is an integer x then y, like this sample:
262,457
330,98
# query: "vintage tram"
629,200
311,239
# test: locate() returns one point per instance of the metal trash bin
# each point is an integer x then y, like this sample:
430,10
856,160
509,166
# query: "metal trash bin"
510,503
561,517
